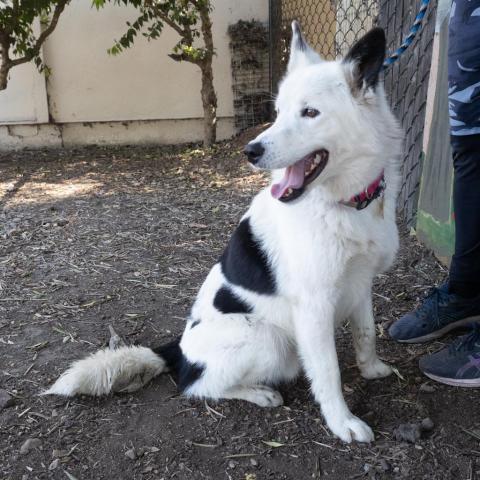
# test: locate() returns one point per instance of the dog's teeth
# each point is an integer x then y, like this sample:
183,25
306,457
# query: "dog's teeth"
289,191
317,159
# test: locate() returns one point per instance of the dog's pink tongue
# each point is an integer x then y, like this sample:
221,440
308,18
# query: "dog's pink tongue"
293,178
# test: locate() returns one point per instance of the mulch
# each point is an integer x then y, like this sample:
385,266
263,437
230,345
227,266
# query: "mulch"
124,237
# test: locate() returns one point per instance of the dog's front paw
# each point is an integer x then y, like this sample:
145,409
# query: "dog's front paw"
376,369
352,428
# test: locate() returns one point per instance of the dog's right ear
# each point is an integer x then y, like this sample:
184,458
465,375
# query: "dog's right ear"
301,54
365,60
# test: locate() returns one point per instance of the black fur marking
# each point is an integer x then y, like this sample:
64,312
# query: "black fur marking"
245,264
227,302
368,53
187,373
194,324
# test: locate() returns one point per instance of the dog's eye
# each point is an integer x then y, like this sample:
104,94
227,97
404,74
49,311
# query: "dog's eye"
310,112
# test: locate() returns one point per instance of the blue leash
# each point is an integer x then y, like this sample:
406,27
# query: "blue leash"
417,25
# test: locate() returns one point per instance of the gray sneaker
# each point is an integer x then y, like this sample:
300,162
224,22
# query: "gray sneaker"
458,364
439,313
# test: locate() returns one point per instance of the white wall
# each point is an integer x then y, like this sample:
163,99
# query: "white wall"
25,101
143,83
26,98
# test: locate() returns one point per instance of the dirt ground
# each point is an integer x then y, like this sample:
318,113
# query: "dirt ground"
124,237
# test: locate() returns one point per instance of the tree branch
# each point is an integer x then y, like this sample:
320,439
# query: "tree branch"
182,57
184,31
43,36
164,17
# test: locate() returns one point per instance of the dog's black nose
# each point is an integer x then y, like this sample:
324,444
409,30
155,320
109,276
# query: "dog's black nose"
254,151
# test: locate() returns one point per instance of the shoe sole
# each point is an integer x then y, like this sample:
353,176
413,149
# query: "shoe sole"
443,331
467,383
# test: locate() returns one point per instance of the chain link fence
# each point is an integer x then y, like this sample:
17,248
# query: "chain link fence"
249,48
332,26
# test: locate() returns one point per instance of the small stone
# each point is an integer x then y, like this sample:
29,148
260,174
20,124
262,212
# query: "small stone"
140,452
427,425
131,454
407,432
253,462
29,445
426,388
5,399
54,413
54,464
384,465
231,464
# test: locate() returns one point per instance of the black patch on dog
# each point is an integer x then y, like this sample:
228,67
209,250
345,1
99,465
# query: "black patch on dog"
245,264
227,302
368,54
194,324
187,373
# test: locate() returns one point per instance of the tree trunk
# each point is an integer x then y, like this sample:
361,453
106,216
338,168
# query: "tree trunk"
209,101
3,75
209,97
4,61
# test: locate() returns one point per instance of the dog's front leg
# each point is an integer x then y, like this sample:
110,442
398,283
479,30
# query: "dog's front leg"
364,339
315,331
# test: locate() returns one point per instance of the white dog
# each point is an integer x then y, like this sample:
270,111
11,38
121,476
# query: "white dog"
302,258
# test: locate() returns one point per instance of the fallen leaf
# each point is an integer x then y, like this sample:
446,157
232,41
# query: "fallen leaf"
273,444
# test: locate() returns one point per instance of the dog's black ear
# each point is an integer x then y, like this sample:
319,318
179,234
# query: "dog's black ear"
301,54
367,57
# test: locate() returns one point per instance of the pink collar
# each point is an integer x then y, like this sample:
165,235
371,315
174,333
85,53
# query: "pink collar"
364,199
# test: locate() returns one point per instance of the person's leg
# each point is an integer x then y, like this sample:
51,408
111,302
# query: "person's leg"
464,278
464,110
458,302
459,363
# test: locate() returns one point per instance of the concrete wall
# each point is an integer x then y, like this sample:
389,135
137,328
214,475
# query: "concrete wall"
140,95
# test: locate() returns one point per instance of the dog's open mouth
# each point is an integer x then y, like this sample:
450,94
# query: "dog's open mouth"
299,175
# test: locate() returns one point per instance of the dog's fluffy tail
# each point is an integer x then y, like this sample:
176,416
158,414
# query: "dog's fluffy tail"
125,369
